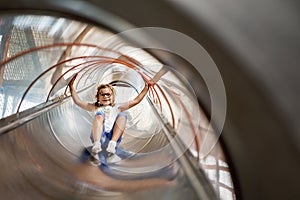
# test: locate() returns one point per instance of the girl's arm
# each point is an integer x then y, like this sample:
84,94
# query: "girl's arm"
136,100
83,104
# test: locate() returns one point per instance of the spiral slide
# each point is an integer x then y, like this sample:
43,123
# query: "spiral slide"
45,137
220,120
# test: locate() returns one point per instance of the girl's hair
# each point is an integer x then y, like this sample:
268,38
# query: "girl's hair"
99,88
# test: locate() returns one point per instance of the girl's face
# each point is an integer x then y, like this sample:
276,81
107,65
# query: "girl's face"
106,96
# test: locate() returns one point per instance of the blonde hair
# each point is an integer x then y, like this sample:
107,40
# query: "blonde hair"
99,88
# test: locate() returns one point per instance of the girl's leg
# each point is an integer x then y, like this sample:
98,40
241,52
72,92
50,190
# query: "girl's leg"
119,127
97,130
118,130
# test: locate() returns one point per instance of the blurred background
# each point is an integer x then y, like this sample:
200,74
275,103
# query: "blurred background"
220,122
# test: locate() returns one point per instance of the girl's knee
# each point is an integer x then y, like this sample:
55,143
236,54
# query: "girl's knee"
122,116
99,118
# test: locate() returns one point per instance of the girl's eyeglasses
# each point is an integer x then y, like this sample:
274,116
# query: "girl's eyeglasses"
105,94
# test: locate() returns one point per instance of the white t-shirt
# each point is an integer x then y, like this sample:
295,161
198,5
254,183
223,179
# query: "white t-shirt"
110,114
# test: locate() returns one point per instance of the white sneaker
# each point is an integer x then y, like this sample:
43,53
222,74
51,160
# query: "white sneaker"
96,147
113,159
111,147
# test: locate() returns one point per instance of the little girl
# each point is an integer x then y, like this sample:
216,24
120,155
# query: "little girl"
110,120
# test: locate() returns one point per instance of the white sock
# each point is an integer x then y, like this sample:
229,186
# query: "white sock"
111,147
96,147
